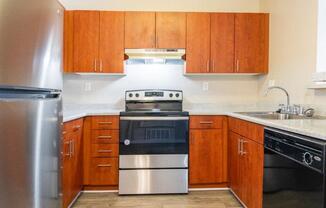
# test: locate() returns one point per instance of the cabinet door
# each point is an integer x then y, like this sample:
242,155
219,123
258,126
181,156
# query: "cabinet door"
234,157
67,167
170,30
140,30
68,45
86,41
251,43
222,43
198,43
111,52
252,173
207,158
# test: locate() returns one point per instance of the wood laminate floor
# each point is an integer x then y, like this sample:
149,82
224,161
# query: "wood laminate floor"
195,199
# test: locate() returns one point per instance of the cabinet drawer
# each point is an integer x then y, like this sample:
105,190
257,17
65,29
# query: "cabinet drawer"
105,136
104,171
105,150
206,122
75,126
247,129
105,122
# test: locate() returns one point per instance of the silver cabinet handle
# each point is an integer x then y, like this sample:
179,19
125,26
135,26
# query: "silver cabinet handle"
76,128
105,123
95,65
104,137
70,148
104,165
104,151
207,67
206,122
239,147
67,143
101,65
238,65
243,142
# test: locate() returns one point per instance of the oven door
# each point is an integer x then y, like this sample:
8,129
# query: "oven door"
154,135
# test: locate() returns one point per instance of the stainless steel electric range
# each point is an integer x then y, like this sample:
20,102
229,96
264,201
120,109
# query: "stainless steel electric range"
154,143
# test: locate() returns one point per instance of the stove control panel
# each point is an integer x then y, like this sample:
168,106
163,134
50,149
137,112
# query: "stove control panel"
154,95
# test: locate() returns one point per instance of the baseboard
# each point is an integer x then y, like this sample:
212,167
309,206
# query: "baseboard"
75,199
238,198
100,191
209,189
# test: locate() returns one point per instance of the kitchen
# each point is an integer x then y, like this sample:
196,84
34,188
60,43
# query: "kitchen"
162,103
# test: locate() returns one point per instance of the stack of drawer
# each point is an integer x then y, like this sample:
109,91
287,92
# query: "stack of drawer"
103,151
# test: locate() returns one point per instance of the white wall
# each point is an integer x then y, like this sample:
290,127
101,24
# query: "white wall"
223,90
293,37
164,5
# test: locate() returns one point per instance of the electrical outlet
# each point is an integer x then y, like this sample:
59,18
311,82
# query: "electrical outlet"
271,83
205,86
88,87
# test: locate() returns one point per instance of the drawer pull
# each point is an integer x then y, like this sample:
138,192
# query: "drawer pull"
104,137
104,151
206,122
76,128
104,165
105,123
64,132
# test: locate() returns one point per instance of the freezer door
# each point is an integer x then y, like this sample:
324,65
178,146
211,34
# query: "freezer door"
31,43
29,153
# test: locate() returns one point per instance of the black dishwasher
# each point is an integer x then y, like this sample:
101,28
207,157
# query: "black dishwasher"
294,170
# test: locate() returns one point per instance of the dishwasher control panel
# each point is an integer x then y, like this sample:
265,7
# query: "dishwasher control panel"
304,150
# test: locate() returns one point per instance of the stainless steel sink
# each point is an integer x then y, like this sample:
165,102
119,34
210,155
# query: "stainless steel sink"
278,116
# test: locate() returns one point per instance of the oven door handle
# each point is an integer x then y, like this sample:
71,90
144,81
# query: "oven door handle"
152,118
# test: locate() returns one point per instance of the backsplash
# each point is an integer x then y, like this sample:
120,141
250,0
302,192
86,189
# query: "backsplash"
222,90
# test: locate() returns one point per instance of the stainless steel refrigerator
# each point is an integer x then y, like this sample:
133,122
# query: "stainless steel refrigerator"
30,103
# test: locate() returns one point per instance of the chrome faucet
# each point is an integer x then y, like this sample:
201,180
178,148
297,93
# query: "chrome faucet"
280,88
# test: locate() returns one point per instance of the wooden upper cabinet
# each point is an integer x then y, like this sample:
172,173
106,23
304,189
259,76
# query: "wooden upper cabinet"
198,43
86,40
140,30
222,43
251,43
68,38
111,48
170,30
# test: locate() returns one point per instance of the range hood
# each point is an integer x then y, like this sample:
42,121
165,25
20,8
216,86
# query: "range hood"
166,54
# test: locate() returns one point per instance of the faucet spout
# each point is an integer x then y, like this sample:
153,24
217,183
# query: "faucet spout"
282,89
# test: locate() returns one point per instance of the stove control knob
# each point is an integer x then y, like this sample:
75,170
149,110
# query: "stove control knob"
137,94
130,94
171,95
307,158
177,95
126,142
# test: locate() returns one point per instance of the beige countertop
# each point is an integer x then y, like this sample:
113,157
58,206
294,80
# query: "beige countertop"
310,127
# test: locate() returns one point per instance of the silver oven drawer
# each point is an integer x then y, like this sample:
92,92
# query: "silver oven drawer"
158,181
153,161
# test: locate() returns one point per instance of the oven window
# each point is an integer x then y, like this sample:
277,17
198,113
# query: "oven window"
154,137
288,184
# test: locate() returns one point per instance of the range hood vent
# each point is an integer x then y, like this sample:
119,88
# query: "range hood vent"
166,54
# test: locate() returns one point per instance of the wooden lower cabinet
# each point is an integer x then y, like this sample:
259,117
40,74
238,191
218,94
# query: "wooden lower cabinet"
208,151
246,158
72,172
101,152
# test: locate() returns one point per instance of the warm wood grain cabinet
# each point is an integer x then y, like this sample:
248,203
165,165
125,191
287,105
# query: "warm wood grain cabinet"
94,42
155,30
101,151
140,30
227,43
246,157
72,172
208,151
251,43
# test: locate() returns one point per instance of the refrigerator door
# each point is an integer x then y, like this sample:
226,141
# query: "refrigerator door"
29,152
31,34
